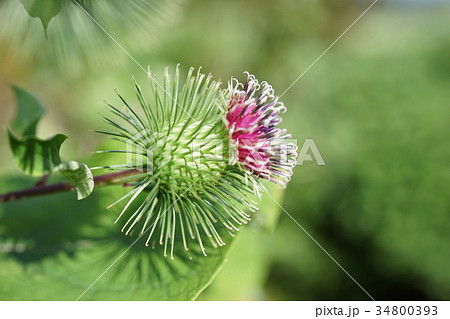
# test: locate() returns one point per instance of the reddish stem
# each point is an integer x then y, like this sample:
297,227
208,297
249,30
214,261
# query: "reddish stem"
38,190
42,180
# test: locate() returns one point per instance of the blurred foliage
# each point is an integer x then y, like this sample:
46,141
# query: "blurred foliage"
73,40
376,106
45,10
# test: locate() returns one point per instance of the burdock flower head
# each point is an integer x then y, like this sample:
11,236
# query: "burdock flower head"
252,118
203,153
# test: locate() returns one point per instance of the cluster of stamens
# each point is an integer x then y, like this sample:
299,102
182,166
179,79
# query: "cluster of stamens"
252,118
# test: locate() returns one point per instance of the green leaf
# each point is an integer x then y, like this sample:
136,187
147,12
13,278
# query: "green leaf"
35,156
248,259
266,219
38,157
29,111
51,256
79,175
42,9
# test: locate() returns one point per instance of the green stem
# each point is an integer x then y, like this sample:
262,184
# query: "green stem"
101,180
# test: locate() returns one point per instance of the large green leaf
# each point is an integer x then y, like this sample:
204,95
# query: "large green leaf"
249,258
35,156
48,255
42,9
79,175
29,111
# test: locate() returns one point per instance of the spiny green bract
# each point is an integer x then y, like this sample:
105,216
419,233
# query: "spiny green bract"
191,190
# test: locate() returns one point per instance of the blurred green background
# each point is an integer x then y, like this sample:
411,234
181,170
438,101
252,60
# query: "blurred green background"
376,105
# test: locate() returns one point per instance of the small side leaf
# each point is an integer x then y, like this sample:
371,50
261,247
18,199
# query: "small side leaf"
34,156
29,111
79,175
42,9
38,157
